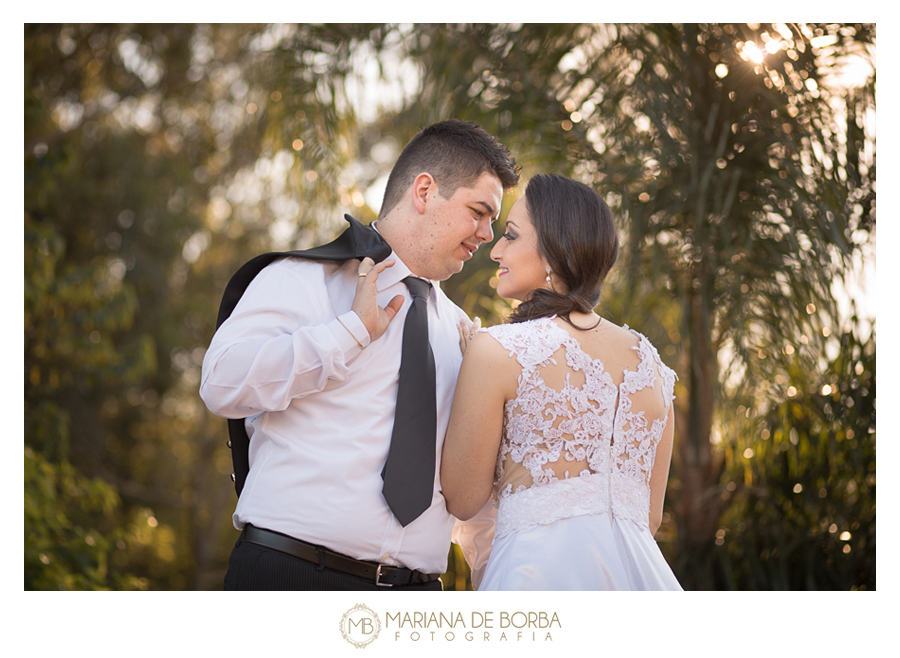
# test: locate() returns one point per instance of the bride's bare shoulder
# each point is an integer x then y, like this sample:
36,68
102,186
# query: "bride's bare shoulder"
611,330
488,344
487,361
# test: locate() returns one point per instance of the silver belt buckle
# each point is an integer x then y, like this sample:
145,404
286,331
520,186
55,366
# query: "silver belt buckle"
378,578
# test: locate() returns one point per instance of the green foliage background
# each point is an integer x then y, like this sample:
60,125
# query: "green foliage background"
158,158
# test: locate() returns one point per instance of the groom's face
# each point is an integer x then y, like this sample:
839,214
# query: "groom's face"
453,228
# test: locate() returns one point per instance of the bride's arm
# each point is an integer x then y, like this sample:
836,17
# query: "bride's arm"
660,476
476,421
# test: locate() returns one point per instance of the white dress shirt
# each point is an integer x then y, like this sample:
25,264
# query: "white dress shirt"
320,409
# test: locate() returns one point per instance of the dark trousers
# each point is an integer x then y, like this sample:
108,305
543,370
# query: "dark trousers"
255,567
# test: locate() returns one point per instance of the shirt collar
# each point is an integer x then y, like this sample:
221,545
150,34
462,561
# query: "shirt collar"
399,271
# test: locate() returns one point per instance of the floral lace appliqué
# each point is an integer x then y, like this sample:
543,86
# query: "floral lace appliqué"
585,449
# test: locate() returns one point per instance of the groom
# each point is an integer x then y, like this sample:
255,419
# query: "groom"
313,354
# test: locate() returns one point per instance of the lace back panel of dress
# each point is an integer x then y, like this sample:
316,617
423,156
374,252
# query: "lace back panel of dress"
572,418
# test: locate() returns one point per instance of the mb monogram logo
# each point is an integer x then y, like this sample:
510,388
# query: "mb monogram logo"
360,626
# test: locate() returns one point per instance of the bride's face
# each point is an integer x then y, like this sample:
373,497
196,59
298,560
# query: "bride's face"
522,268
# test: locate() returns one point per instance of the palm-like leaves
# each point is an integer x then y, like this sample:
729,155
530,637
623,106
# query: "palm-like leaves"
730,179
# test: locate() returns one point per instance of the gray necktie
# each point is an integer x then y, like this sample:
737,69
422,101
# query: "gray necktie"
409,471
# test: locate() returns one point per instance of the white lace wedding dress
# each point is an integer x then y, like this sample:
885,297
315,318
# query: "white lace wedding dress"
571,496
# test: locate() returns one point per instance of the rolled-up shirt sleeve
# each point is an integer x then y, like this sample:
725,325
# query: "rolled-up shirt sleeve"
283,341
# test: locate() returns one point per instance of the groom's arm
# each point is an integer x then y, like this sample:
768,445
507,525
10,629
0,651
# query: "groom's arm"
281,342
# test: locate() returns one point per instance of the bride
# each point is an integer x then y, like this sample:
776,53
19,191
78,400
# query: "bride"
560,439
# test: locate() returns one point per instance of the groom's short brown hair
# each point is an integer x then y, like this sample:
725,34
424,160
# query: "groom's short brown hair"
455,153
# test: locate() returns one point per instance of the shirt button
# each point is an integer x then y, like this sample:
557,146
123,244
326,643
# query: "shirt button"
385,557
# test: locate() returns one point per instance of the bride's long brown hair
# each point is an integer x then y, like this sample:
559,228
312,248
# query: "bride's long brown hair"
577,237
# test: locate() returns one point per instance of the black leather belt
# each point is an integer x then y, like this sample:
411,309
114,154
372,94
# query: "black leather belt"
383,575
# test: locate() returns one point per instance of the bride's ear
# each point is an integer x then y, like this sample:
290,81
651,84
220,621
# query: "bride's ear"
552,282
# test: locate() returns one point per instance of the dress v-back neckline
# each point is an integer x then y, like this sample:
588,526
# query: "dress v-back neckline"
570,340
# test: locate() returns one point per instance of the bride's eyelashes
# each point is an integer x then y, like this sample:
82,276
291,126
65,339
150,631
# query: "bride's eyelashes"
510,236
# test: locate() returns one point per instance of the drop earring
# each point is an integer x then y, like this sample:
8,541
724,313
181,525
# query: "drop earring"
548,276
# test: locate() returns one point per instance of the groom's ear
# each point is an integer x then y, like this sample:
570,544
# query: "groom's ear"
424,188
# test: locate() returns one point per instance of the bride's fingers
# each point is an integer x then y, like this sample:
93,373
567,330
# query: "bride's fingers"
463,329
467,331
